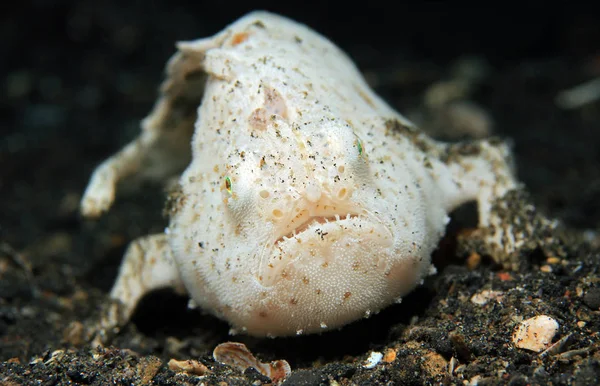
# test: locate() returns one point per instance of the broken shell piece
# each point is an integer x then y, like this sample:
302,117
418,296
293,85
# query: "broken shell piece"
189,366
536,333
483,297
237,355
374,358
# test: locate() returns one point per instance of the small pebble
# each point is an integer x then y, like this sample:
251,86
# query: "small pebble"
434,364
147,368
553,260
592,298
390,355
473,261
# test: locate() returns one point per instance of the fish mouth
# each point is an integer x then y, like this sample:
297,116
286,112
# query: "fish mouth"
306,222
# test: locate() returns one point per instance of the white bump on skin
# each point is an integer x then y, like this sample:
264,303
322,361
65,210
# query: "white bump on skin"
309,202
313,192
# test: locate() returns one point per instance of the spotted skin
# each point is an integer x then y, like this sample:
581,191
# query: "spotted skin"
307,201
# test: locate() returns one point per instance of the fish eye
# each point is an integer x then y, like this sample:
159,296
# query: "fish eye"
359,146
228,185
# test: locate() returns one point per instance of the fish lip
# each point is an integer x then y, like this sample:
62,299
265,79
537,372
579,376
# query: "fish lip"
305,225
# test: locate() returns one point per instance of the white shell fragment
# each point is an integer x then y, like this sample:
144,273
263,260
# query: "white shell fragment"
307,202
536,333
483,297
373,360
